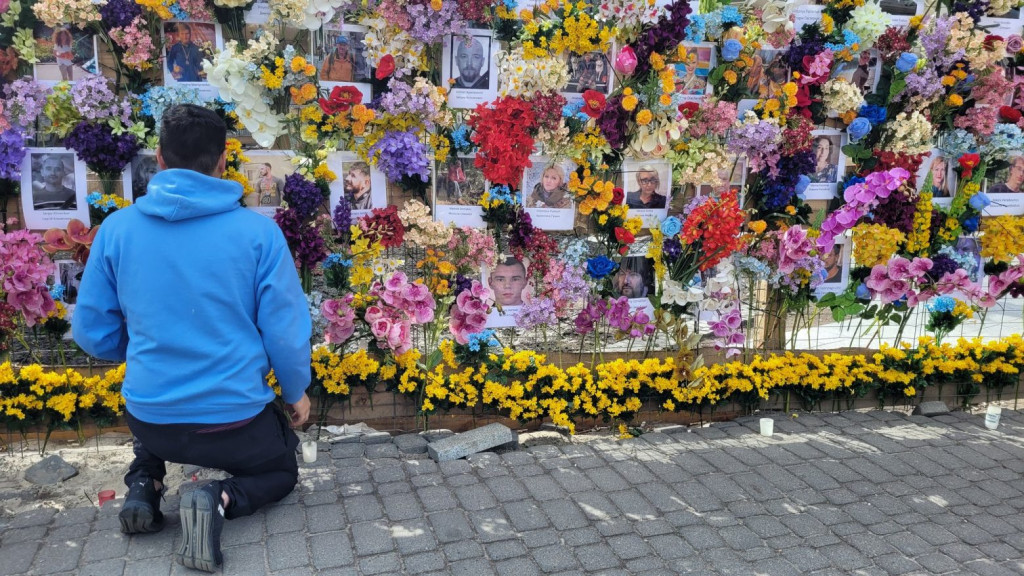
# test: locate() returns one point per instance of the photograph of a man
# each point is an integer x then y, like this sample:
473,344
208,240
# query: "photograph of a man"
357,185
635,278
339,66
1014,178
508,282
53,179
648,196
186,54
143,168
268,186
826,160
471,70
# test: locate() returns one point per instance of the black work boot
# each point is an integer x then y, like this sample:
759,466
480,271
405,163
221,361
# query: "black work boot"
141,511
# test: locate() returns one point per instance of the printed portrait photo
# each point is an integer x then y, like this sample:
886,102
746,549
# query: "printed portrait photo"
54,182
863,71
836,276
693,71
590,71
769,74
458,187
186,45
546,196
69,275
467,68
635,278
470,62
143,168
509,282
341,56
65,53
646,184
53,188
937,175
1005,188
829,164
266,171
364,187
358,185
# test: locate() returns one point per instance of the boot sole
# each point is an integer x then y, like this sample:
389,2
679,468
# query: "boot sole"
197,549
138,518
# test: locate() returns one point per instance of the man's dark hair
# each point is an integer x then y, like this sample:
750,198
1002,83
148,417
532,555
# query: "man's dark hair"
361,167
513,261
192,138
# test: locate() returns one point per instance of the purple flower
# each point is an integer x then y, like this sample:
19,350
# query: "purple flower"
305,242
25,101
95,101
429,25
342,217
103,152
119,13
671,249
612,122
759,142
401,154
12,152
401,98
536,312
462,284
303,196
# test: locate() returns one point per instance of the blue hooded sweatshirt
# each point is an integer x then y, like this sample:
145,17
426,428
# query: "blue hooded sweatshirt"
201,298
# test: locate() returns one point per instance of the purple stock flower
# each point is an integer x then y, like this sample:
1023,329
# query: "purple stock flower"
305,242
12,152
95,101
462,283
671,249
759,142
103,152
342,217
25,101
303,196
429,25
119,13
942,265
401,98
666,34
536,312
401,154
612,122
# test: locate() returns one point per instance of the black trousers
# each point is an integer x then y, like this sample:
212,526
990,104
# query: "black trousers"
259,456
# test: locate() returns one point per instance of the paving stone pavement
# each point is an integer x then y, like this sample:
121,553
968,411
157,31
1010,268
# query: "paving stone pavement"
852,493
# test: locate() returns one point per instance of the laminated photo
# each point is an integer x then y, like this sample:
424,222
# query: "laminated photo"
364,187
53,188
511,286
546,196
647,186
829,164
266,171
339,58
186,45
1005,188
458,187
468,67
65,53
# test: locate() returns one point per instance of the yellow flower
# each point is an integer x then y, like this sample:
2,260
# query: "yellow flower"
436,5
955,100
665,100
757,226
730,77
915,22
827,24
948,80
644,117
629,103
657,61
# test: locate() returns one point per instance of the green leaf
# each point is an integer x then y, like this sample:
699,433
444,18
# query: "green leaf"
838,314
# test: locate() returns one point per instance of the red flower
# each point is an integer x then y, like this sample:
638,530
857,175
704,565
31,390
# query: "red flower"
618,195
593,103
385,67
689,109
623,250
968,162
1009,114
342,98
504,134
384,225
990,41
624,236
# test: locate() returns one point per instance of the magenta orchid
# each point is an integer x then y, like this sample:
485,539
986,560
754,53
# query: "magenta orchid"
469,314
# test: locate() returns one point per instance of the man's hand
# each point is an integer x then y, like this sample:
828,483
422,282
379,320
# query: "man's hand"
299,411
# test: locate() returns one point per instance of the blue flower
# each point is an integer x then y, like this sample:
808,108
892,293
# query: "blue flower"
874,114
336,260
859,128
971,224
801,184
979,201
730,15
57,292
731,49
600,266
671,226
460,139
485,338
862,292
906,62
942,304
697,29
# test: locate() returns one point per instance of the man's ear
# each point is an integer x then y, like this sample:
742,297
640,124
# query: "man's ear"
222,164
160,159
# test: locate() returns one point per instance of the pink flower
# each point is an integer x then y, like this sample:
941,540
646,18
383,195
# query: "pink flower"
340,319
625,61
381,327
4,5
899,268
878,280
396,282
919,267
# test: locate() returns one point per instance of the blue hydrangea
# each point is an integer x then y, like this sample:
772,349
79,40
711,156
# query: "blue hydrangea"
179,12
336,260
942,304
754,267
730,15
958,142
96,200
575,251
697,29
485,338
505,194
57,292
849,39
460,138
1005,138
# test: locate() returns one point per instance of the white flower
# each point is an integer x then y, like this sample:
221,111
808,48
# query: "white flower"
868,22
230,3
841,96
316,13
674,293
774,14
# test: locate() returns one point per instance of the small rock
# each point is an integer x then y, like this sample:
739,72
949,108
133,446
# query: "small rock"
541,438
471,442
931,408
50,470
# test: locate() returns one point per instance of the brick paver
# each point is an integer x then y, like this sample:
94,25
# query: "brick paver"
852,493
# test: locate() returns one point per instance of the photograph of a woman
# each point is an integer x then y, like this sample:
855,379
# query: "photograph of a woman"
551,191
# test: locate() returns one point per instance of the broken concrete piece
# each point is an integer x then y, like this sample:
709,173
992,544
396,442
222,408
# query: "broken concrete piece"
411,444
50,470
478,440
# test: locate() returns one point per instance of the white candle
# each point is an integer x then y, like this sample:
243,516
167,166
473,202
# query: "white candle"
309,451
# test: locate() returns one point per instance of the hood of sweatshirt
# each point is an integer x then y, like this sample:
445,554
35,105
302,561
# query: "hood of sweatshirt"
177,194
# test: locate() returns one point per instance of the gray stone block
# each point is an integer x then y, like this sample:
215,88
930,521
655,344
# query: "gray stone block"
435,435
375,438
411,444
478,440
931,408
50,470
